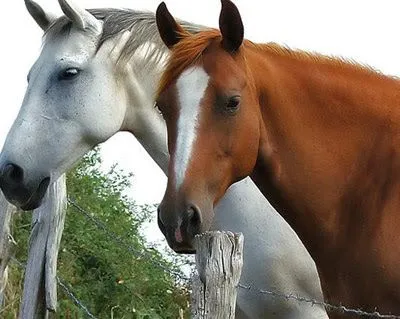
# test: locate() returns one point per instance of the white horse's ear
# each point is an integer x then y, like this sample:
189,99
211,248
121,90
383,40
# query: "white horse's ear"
43,19
80,17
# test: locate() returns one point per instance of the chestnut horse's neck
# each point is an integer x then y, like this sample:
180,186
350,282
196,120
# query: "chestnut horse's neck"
328,159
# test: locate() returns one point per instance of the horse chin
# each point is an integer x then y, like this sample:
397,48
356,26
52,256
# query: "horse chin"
187,251
37,197
31,206
183,249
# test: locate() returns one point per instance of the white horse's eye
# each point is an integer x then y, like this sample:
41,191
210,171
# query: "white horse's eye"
69,74
156,106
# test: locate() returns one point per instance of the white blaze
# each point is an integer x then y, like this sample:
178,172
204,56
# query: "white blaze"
191,86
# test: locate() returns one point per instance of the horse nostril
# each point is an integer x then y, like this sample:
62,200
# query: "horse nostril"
159,220
13,173
194,216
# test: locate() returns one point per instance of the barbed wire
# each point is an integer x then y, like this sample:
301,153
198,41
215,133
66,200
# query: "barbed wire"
329,307
116,238
313,302
74,298
67,291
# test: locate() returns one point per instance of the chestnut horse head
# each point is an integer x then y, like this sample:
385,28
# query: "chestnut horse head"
207,100
318,135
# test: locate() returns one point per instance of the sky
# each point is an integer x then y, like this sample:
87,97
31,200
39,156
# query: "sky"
364,31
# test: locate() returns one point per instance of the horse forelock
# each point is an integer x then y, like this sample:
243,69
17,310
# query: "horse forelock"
141,24
185,53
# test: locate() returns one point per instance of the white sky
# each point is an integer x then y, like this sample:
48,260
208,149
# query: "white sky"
366,31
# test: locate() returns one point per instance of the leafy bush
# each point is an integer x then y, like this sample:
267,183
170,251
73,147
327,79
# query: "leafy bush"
103,257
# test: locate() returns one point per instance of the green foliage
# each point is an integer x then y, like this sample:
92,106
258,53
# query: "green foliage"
96,264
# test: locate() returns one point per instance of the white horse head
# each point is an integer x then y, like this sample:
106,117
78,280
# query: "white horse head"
84,87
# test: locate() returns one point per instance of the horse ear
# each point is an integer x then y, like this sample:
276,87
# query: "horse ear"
231,26
170,31
43,19
80,17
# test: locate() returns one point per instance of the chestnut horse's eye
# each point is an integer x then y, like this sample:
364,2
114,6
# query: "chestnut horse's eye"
68,74
232,104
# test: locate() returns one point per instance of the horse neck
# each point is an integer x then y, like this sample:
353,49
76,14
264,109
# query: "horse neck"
327,128
142,118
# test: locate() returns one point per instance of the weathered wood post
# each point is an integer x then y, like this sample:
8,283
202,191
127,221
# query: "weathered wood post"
7,242
40,284
219,261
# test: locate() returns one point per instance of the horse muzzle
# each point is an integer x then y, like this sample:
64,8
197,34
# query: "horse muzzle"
180,230
17,191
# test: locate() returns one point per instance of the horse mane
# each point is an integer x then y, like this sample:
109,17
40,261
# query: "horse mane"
142,25
338,61
188,51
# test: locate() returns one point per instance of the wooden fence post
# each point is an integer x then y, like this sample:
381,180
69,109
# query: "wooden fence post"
7,242
219,261
40,284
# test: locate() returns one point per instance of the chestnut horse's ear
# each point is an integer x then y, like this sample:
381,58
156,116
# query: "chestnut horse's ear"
170,31
231,26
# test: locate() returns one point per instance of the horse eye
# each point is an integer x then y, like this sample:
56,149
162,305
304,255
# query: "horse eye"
157,107
160,108
68,74
233,104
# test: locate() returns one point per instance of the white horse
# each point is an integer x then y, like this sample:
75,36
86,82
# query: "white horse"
96,76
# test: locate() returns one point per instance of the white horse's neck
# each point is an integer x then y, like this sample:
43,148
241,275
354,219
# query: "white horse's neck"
142,118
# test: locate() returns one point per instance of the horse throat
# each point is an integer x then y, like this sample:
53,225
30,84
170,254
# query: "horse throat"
142,118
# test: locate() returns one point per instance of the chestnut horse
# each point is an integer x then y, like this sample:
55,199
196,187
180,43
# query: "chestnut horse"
318,135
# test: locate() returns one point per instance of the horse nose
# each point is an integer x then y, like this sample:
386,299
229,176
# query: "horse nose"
12,183
23,193
180,226
12,174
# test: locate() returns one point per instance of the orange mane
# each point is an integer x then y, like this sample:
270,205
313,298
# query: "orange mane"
189,50
185,53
